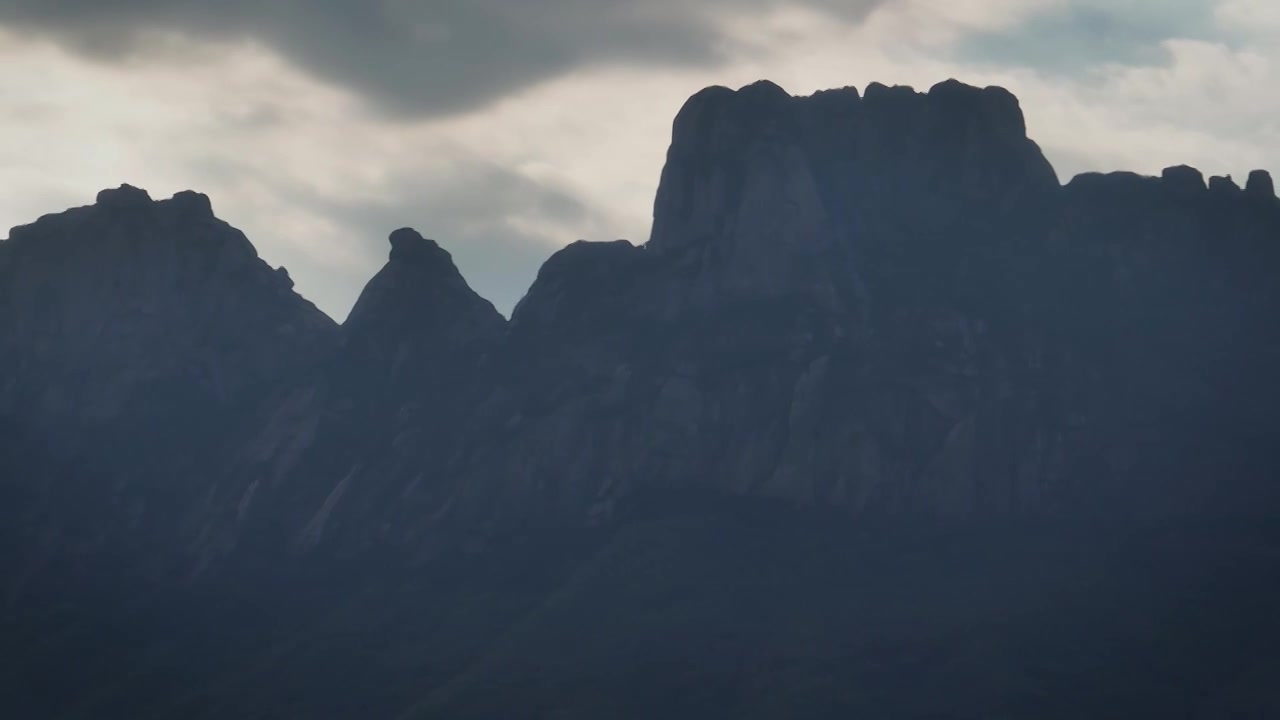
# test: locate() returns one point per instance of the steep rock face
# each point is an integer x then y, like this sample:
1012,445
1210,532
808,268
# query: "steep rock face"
782,195
882,302
806,321
1163,331
1260,185
417,321
355,450
133,335
128,293
888,303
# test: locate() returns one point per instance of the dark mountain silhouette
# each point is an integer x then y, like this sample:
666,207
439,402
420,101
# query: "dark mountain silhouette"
882,421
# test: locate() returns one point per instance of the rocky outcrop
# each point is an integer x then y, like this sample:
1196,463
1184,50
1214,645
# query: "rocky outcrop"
881,302
1183,179
365,435
1260,185
133,307
816,317
1165,300
778,195
134,336
417,320
106,302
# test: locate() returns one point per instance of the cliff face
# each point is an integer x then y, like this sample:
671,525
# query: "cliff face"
880,307
888,304
134,336
355,448
884,303
104,304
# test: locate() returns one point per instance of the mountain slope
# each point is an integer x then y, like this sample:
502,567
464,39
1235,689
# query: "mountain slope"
882,419
134,336
887,303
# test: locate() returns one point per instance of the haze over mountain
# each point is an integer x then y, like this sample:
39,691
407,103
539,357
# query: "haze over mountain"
882,419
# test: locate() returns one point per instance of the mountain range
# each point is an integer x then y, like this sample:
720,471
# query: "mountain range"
883,420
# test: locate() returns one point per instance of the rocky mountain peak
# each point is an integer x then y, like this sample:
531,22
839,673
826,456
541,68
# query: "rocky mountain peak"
723,141
883,304
130,292
162,239
581,280
409,246
1260,184
994,108
768,195
417,304
124,196
1183,178
193,203
1223,185
419,276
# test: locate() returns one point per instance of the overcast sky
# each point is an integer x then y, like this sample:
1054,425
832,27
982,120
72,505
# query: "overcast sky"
507,128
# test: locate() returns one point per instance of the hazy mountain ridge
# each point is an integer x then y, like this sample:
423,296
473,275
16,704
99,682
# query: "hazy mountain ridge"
884,305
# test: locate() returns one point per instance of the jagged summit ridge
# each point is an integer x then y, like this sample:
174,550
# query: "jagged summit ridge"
728,145
882,304
408,245
875,266
126,198
1186,182
111,283
419,279
722,139
415,323
773,195
1260,184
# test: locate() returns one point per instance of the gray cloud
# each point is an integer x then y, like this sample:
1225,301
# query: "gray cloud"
416,58
1089,33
